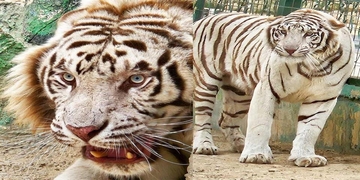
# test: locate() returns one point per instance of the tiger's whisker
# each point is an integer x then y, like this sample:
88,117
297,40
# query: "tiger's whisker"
152,136
157,154
138,150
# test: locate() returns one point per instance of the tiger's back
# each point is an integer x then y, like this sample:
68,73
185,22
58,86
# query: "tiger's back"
224,40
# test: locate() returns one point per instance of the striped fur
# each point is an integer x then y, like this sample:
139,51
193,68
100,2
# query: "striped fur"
116,79
259,61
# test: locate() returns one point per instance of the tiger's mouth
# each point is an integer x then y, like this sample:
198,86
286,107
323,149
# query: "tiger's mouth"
119,155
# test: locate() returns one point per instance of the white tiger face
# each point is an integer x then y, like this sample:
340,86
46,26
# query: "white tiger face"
296,39
111,98
299,34
117,82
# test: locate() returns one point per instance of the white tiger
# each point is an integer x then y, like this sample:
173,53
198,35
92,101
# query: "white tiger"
304,57
115,81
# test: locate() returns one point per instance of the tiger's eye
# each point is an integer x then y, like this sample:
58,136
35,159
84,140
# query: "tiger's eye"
137,79
68,77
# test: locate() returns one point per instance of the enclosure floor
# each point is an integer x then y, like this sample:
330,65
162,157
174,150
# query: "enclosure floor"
225,166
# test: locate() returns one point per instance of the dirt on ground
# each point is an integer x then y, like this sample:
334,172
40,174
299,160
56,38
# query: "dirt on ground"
24,156
226,166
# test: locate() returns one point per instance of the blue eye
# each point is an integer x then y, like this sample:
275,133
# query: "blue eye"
137,79
68,77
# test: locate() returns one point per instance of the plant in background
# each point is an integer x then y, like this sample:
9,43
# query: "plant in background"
8,49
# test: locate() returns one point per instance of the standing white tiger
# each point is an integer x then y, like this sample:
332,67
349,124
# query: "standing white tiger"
304,57
116,82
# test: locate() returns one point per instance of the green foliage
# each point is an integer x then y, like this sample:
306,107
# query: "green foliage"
42,16
8,49
5,119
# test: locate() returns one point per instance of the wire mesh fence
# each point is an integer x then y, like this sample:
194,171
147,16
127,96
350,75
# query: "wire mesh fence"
347,11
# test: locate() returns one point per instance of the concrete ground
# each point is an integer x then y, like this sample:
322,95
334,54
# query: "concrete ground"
225,166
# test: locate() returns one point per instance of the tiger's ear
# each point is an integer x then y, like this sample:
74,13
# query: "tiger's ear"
330,21
27,102
335,24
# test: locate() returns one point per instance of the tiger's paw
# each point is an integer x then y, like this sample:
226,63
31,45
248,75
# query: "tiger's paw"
235,137
256,158
309,161
206,148
260,156
204,144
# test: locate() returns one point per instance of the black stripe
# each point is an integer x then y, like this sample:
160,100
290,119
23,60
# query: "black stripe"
205,94
53,59
145,23
141,111
208,86
287,66
301,118
320,101
203,108
135,44
164,58
236,114
72,31
347,62
179,43
157,88
142,65
83,43
120,53
198,99
272,88
176,102
203,59
233,89
95,33
176,78
100,24
205,124
282,82
108,58
161,32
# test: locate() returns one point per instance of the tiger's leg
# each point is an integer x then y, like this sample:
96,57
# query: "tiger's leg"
235,106
204,100
258,132
311,120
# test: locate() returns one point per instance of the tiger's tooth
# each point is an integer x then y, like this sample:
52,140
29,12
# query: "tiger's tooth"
98,154
130,155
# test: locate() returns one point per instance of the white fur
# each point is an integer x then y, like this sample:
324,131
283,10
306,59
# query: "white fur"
300,76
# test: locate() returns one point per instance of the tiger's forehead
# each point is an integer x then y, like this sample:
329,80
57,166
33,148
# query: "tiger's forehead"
109,51
107,41
303,20
302,26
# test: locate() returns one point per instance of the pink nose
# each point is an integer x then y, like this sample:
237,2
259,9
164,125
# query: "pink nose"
290,51
86,133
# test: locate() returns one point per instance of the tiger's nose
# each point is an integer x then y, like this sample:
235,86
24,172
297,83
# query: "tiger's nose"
290,51
86,133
